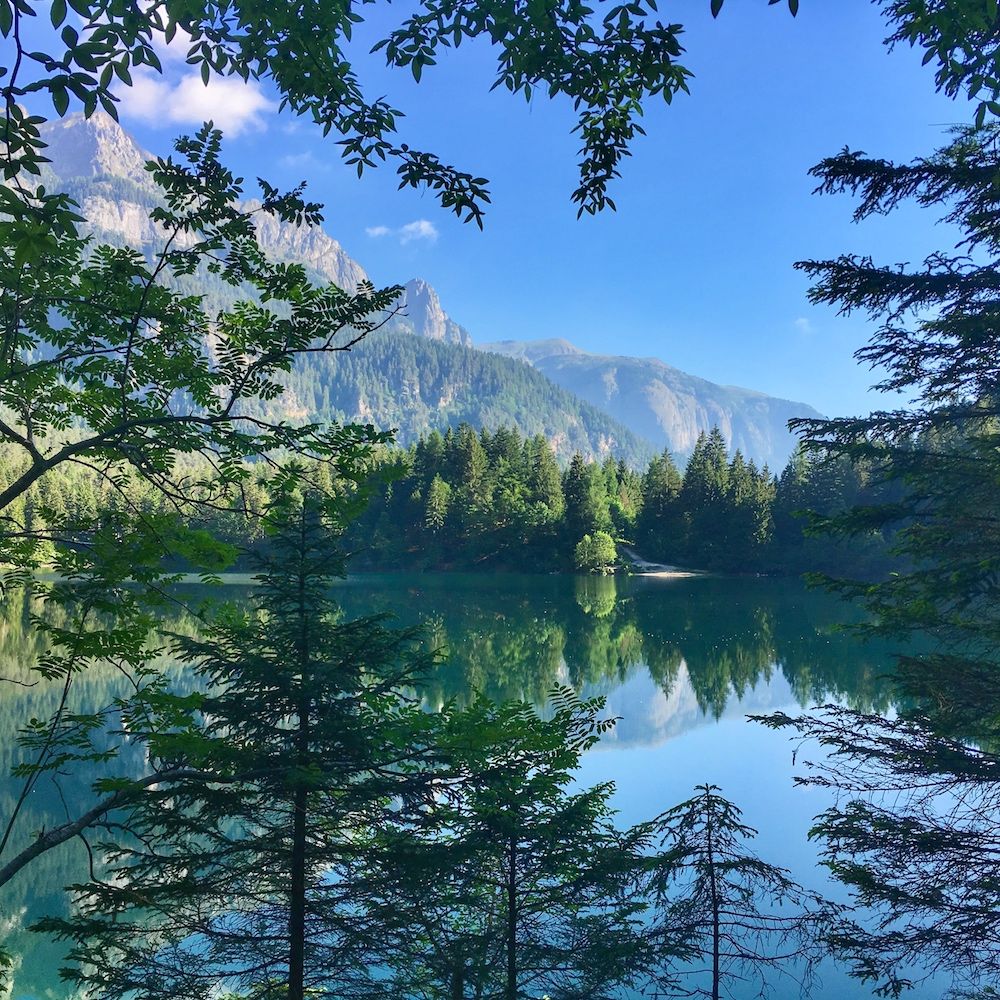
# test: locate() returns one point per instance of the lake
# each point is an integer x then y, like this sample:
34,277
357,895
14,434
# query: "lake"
681,663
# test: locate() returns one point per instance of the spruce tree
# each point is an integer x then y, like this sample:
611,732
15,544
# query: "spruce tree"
916,835
518,885
724,921
660,522
247,870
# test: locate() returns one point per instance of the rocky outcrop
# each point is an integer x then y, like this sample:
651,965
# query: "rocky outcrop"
311,246
422,314
94,147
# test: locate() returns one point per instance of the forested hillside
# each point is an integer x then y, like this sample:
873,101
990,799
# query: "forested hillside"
665,405
581,402
416,385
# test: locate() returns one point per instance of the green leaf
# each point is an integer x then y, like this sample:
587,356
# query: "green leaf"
60,100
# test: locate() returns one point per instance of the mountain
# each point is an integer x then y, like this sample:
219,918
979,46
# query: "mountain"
393,379
663,404
418,373
103,167
592,403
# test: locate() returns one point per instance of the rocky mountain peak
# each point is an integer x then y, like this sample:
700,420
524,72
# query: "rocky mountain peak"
94,147
422,314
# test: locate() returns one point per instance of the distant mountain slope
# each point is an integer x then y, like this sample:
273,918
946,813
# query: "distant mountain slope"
101,165
393,379
663,404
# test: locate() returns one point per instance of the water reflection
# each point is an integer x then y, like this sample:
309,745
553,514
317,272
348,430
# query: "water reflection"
671,656
514,636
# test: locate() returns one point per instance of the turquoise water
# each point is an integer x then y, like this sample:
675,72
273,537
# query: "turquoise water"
681,663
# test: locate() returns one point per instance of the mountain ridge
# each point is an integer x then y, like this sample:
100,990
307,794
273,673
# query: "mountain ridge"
664,404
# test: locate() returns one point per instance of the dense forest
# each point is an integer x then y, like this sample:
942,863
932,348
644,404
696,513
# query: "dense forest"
470,499
394,379
477,500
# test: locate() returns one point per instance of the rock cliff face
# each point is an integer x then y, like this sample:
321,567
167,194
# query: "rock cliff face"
104,168
311,246
94,147
424,316
662,404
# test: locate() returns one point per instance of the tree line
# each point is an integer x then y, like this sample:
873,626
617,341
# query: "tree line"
468,499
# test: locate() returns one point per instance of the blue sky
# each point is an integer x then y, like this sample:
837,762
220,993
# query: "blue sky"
715,205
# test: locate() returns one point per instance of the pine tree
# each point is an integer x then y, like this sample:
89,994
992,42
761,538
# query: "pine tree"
587,508
704,499
543,480
438,502
520,887
660,523
719,905
916,837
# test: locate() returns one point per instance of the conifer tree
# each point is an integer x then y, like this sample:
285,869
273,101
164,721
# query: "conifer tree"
660,523
724,918
703,498
519,886
245,870
586,496
544,482
916,834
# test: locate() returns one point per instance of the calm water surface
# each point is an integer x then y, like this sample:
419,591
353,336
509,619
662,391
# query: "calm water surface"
681,662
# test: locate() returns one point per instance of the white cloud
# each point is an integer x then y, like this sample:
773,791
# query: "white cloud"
804,326
230,103
419,229
301,161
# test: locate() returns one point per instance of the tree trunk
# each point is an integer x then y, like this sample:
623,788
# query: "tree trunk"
300,802
510,992
714,892
297,901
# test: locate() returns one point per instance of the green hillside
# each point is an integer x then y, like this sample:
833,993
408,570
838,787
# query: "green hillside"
415,385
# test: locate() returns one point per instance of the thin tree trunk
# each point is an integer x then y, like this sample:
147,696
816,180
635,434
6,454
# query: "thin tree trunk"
297,890
714,891
297,902
510,993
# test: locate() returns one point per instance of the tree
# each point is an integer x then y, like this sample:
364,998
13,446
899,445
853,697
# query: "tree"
438,501
104,368
244,867
596,554
703,498
100,362
717,903
519,885
543,481
914,834
659,520
586,496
